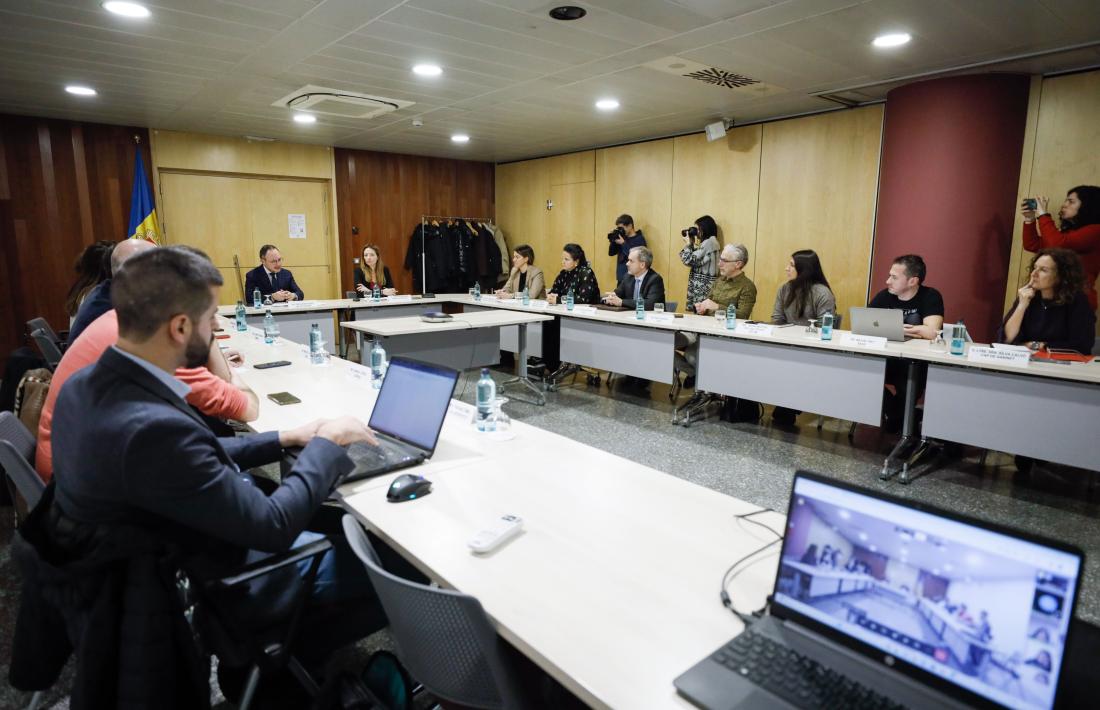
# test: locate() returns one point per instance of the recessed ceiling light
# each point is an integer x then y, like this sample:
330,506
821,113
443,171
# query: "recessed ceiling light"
607,104
568,12
305,118
126,9
460,138
892,40
427,70
80,90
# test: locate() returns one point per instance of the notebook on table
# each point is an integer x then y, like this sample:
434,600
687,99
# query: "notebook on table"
885,603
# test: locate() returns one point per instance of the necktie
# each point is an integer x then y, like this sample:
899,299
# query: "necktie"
637,289
272,281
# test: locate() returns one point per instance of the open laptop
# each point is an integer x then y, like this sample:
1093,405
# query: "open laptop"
883,322
407,418
881,602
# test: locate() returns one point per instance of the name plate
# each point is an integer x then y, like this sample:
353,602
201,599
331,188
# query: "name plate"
660,317
584,310
755,328
399,299
872,342
997,356
536,305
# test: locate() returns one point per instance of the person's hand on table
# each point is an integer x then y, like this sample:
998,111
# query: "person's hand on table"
705,305
233,357
552,298
361,288
612,299
389,292
919,331
501,293
299,436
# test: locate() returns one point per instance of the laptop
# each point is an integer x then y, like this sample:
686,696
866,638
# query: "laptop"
883,322
881,602
407,418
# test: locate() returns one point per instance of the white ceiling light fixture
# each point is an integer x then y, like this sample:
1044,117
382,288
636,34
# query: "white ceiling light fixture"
891,40
427,70
127,9
460,138
607,104
305,118
77,90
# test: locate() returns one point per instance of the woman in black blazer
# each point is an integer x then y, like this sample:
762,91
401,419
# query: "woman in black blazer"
372,272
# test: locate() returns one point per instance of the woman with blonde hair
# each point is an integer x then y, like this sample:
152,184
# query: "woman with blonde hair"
371,272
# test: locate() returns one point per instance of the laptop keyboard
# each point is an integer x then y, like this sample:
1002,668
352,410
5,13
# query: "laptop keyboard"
796,678
370,458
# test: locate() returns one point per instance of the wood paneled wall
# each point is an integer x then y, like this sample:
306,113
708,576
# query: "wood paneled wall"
383,195
63,185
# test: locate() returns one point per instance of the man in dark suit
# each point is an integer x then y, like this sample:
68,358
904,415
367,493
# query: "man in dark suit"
641,281
98,300
271,278
129,450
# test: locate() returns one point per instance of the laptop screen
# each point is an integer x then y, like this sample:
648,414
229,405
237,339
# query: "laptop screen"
980,609
413,402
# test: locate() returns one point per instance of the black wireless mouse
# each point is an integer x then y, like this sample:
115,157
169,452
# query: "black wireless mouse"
408,486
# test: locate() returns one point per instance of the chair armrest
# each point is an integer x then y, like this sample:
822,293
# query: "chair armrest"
270,564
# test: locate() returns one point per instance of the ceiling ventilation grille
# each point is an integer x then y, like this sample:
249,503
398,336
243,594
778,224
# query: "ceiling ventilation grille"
715,76
721,77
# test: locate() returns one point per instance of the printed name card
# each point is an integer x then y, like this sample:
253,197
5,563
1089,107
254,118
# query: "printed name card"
998,356
585,310
660,317
754,328
399,299
872,342
537,305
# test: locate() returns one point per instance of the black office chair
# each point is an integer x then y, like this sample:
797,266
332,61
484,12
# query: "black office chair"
17,459
443,637
44,325
48,347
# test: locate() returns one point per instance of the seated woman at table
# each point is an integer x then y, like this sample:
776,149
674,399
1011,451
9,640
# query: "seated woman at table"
576,275
372,272
805,295
1051,310
524,275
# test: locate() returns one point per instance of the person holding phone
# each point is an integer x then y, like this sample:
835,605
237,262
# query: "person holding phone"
1078,229
372,272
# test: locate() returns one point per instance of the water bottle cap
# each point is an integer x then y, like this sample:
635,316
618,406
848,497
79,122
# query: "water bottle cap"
484,371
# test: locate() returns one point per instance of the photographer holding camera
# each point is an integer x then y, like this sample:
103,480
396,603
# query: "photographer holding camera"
700,254
621,240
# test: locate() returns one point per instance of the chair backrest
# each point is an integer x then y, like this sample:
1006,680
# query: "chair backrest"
44,325
444,637
671,306
1096,347
48,348
16,450
838,318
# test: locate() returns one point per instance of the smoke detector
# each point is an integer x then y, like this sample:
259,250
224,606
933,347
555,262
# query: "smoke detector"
334,102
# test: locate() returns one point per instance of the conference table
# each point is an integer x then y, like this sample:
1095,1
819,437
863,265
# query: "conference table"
613,586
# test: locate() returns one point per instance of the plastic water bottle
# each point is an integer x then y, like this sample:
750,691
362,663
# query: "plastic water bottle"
827,326
256,298
271,331
242,321
731,317
958,338
569,300
377,364
486,393
526,296
639,308
376,295
316,345
477,291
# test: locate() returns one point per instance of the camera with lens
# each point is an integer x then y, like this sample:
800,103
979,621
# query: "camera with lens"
692,232
615,233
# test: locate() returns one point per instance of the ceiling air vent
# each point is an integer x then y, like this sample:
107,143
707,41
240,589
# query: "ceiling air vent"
715,76
334,102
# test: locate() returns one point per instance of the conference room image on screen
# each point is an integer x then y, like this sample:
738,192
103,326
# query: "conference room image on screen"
982,610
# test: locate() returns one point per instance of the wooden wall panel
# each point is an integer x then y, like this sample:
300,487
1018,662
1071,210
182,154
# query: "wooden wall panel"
818,181
522,190
383,196
229,154
63,185
637,180
719,178
573,167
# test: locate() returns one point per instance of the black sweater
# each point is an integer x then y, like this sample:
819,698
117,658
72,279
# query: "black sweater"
1070,326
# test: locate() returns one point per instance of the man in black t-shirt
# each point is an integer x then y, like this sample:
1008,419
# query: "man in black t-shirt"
922,315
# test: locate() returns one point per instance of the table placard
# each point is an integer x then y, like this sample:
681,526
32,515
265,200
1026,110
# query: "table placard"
461,408
1010,348
660,317
998,356
755,328
399,299
872,342
536,305
584,310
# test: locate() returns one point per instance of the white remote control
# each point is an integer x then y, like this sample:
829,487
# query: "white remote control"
502,529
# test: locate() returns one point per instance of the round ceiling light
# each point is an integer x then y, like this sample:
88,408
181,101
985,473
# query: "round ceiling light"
568,12
460,138
607,104
305,118
80,90
126,9
892,40
427,70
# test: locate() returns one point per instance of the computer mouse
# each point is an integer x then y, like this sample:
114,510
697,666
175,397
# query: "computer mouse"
408,486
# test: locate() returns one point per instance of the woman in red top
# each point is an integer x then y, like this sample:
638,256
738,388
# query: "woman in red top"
1079,230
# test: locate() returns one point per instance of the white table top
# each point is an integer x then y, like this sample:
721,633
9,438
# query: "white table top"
330,304
409,325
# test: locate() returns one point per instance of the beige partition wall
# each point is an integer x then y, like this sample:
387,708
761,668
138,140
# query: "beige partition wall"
229,196
818,181
1062,141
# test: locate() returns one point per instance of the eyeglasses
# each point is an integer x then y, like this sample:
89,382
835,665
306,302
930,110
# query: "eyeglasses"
727,261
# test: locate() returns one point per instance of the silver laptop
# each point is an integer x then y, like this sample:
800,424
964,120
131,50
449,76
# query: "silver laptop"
883,322
407,418
881,602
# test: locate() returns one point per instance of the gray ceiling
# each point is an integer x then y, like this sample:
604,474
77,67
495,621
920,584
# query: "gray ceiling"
519,83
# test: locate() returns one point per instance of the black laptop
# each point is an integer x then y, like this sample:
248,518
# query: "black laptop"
407,418
885,603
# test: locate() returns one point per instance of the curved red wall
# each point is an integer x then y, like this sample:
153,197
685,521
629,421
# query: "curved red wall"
947,189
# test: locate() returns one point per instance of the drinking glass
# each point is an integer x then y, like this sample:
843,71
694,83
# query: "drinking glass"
659,307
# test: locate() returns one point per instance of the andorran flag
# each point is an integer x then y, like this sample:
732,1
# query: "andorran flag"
143,213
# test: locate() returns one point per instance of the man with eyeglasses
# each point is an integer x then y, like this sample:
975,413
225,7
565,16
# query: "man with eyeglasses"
732,286
271,278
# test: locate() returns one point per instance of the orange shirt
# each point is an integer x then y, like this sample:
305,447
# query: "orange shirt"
209,394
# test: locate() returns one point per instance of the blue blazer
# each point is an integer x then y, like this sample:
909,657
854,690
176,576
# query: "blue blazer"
96,303
257,279
128,449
